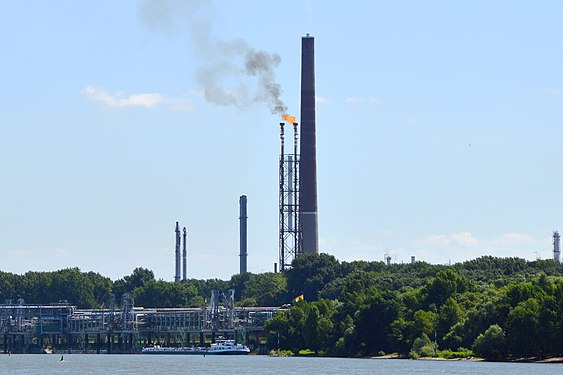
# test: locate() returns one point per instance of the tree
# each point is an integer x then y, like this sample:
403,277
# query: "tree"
139,278
102,288
73,286
310,328
450,314
8,282
166,294
444,285
523,329
491,344
373,323
423,347
400,335
309,273
425,323
237,282
268,289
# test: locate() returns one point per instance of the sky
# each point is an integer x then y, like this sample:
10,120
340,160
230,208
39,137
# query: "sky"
439,130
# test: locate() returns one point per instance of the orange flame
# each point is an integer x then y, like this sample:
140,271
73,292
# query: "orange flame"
290,119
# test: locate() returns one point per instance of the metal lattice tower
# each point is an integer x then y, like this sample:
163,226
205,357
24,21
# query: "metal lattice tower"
289,226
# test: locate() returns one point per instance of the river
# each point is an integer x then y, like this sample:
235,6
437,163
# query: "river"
86,364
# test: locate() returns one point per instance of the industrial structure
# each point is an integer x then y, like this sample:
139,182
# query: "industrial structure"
243,234
556,248
298,227
308,219
185,255
290,232
181,255
125,328
177,274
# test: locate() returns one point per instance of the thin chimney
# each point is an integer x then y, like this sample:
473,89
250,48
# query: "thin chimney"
177,275
243,234
185,255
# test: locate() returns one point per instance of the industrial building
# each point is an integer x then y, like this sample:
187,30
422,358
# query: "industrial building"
126,328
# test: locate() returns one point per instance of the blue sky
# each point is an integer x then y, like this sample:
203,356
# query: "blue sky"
438,130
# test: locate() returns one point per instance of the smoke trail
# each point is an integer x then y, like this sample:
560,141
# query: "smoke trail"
233,73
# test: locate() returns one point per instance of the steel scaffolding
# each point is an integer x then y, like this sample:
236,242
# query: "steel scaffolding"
289,226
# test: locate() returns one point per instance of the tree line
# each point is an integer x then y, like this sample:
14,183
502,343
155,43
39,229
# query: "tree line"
490,307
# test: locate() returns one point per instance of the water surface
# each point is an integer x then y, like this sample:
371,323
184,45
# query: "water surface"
253,364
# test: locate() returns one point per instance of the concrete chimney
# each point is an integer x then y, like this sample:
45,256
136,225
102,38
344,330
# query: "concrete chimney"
308,151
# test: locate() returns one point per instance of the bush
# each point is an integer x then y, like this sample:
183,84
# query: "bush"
281,353
423,347
306,352
460,353
490,344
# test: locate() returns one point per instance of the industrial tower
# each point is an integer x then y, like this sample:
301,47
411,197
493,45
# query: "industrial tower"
556,248
243,234
308,211
298,228
177,253
185,255
181,254
289,230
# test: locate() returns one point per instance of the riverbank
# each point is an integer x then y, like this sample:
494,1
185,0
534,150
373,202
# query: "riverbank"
476,359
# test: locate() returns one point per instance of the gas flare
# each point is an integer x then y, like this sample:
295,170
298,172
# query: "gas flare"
290,119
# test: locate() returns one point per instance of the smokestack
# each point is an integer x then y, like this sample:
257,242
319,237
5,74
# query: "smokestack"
556,248
308,157
242,218
185,255
177,275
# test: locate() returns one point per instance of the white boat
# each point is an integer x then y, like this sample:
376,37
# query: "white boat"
219,347
228,347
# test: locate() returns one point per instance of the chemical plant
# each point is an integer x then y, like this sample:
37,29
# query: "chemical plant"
298,218
125,328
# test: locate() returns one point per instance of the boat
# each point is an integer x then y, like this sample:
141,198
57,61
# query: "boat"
219,347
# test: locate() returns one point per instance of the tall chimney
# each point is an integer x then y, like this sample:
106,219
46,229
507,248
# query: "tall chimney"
185,255
242,218
308,156
177,275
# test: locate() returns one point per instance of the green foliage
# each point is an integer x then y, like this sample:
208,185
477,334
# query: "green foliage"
268,289
490,344
423,347
161,293
306,352
309,273
523,328
446,284
373,322
138,279
281,353
102,288
498,306
460,353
